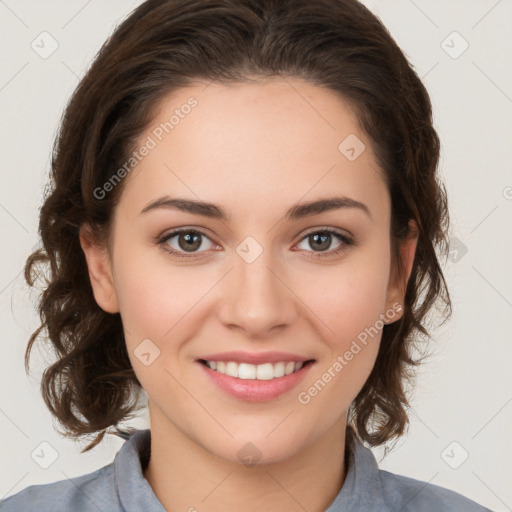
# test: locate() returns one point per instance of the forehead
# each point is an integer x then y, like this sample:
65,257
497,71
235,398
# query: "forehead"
280,140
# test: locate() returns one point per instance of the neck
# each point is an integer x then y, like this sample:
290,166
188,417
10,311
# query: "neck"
185,476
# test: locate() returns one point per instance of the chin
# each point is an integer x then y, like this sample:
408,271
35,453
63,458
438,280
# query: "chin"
254,448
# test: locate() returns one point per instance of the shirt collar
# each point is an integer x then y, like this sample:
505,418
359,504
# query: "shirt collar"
134,490
362,489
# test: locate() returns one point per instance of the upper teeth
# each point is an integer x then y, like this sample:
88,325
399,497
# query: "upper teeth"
266,371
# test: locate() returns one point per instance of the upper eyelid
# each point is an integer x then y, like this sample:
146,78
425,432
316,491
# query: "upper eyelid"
337,231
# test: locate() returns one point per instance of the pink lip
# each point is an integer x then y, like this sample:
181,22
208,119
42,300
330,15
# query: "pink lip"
255,357
254,390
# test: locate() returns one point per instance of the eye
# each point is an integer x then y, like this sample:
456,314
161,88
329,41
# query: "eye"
187,242
184,243
323,239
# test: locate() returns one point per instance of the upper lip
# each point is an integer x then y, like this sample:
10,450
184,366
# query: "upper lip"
255,357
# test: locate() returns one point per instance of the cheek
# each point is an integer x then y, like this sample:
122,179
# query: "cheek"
349,303
347,299
329,393
157,305
352,311
153,294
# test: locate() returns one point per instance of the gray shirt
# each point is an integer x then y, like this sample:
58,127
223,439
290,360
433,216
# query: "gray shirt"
121,487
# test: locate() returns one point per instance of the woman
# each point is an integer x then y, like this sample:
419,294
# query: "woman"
242,227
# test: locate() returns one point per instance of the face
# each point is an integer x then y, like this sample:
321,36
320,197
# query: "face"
255,287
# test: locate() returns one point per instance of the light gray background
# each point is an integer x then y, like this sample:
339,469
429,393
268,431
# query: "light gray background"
463,392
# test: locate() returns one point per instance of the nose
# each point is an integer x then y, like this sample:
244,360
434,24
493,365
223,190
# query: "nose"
256,298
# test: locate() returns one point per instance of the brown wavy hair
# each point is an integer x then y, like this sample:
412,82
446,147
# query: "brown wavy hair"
164,45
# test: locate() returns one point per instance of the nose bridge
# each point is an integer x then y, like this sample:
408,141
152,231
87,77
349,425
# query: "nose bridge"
256,299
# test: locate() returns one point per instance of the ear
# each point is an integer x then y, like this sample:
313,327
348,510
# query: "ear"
398,284
100,270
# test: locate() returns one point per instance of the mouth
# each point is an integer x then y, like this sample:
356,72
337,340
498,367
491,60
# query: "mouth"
255,377
248,371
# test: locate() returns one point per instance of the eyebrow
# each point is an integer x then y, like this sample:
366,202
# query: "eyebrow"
296,212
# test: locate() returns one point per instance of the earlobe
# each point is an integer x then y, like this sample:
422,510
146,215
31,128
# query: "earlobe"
100,270
398,286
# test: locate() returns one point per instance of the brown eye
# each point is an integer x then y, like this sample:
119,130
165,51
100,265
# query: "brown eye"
321,241
189,241
184,241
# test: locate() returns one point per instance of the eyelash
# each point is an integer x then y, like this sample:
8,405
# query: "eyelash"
346,242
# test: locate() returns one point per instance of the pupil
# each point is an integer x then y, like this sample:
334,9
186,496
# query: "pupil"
324,237
191,241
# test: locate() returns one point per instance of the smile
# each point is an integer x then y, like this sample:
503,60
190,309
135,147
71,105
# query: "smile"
246,371
255,382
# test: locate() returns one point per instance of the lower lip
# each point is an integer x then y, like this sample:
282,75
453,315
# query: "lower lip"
254,390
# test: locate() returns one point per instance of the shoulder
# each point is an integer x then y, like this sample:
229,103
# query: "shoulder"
369,488
407,494
91,492
113,488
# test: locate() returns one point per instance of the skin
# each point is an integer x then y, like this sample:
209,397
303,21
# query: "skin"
256,149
